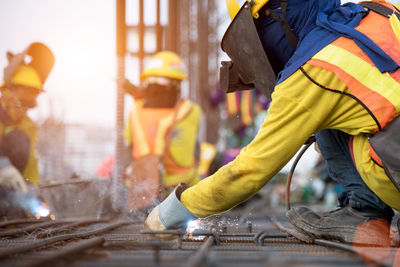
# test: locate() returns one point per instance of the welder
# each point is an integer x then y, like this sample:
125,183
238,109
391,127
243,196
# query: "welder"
331,70
161,131
24,77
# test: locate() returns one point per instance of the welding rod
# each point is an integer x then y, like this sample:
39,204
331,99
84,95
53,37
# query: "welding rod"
308,143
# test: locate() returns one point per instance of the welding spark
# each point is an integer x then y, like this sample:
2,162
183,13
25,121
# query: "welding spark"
33,205
192,225
37,208
42,211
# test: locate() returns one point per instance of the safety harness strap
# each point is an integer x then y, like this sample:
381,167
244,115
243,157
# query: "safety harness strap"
381,9
292,38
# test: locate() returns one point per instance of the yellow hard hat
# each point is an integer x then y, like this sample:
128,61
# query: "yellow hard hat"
33,73
165,64
28,76
233,7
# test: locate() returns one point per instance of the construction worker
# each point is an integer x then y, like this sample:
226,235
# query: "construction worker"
24,77
162,130
329,69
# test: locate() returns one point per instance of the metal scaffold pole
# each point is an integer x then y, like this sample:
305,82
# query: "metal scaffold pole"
121,51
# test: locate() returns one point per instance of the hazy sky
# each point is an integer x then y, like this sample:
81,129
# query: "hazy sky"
81,34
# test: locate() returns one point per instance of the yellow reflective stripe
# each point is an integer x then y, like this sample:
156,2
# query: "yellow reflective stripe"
363,72
142,146
165,123
394,22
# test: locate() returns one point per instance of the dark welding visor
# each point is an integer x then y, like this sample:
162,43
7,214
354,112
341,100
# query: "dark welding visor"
250,67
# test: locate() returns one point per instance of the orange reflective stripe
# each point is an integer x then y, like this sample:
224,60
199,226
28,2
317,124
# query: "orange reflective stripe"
379,30
380,92
380,106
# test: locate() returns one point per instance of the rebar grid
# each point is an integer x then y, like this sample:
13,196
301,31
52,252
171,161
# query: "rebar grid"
226,242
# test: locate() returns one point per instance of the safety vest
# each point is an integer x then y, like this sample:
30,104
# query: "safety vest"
150,131
378,92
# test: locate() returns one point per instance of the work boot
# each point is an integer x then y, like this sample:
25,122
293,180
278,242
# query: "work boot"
345,224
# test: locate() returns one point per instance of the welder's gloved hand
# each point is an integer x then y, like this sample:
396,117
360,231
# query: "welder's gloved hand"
11,177
171,213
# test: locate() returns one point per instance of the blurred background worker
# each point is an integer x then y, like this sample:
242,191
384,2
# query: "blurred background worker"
244,112
331,70
162,131
23,82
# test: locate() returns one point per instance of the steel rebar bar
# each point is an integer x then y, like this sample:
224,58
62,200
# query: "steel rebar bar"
55,239
67,227
363,252
201,254
30,228
77,247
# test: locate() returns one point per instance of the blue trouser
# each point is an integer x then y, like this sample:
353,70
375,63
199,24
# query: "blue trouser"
334,146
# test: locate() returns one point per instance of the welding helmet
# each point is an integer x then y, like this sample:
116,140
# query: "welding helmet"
249,67
165,64
30,67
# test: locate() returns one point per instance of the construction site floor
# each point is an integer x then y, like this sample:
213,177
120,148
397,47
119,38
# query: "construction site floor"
232,239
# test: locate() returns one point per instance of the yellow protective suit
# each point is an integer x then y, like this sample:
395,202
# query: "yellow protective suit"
299,109
26,125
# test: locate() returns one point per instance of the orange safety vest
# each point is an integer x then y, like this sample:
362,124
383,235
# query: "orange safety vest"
378,92
150,128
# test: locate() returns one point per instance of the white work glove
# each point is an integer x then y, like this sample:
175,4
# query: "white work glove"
171,213
153,221
11,177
